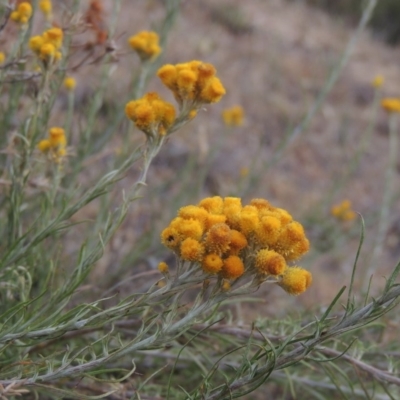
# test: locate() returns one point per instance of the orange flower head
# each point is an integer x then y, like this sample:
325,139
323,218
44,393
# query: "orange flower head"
57,137
212,263
170,238
213,205
232,268
296,280
269,262
218,239
191,250
163,267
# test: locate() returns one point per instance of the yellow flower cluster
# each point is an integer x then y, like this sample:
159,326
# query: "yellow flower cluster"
233,116
55,144
391,104
225,238
22,14
343,211
145,44
47,46
2,57
151,114
192,83
46,7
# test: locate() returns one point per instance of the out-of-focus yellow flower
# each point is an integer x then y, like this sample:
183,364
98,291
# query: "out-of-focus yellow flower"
378,81
46,7
163,267
146,44
244,171
221,236
151,114
22,14
391,104
2,57
69,83
343,211
233,116
54,145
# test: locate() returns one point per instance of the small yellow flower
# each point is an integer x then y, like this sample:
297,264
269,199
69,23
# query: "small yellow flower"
343,211
57,137
46,7
54,36
233,116
226,286
2,57
47,52
391,104
55,144
378,81
69,83
44,145
146,45
296,280
163,267
22,14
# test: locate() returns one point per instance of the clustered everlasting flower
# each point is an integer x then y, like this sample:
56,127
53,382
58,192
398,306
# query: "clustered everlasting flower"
146,45
222,237
343,211
233,116
48,45
151,114
55,144
2,57
193,83
22,14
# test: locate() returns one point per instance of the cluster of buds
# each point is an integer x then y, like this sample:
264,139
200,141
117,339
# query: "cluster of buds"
233,116
145,43
193,83
220,236
55,145
47,46
22,14
151,114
